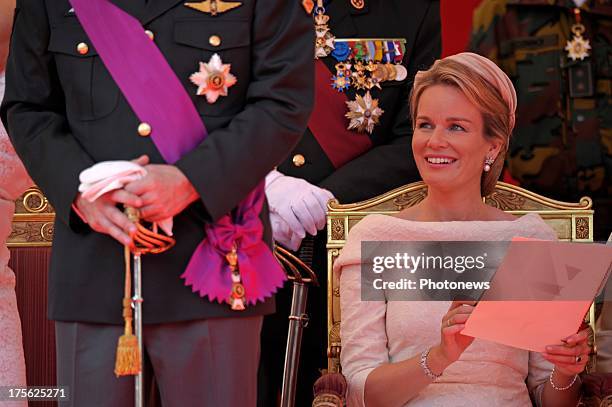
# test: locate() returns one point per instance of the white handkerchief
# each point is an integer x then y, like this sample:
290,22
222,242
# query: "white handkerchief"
108,176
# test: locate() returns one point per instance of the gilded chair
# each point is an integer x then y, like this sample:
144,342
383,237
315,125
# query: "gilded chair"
572,222
30,247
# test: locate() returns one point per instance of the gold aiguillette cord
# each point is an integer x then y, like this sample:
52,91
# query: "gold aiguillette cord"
127,361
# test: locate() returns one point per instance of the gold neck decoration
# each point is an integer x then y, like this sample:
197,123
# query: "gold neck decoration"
578,47
324,39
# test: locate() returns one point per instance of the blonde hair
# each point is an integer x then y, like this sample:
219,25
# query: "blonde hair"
496,105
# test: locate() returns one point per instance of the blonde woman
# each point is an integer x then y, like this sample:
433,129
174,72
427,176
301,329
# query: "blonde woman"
13,181
412,353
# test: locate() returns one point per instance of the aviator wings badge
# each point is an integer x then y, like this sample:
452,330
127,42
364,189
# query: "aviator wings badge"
213,7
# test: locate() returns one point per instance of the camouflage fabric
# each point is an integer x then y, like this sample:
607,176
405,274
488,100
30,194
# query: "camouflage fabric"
562,143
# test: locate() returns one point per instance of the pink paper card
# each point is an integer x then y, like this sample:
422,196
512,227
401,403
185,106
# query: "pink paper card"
540,293
530,325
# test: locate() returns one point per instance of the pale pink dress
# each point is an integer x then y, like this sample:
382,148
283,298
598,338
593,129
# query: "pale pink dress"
374,333
13,182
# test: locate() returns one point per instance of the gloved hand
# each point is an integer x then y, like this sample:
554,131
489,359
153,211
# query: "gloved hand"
282,233
298,203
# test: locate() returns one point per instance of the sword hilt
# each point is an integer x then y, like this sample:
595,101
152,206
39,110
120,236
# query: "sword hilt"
147,240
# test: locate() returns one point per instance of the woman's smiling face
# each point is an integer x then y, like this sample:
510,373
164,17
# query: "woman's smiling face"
449,145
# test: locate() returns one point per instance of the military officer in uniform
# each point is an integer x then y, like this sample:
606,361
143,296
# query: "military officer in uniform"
557,52
247,67
357,145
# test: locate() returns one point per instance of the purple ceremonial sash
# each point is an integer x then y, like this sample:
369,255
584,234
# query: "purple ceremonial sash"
158,98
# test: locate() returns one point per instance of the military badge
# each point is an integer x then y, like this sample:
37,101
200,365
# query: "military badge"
363,64
578,47
360,81
401,72
213,7
364,113
341,51
372,61
379,75
236,300
213,79
344,68
341,82
324,40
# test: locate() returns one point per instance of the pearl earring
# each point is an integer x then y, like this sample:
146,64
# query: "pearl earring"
488,162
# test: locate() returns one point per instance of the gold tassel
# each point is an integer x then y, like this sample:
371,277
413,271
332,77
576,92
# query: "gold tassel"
127,361
128,356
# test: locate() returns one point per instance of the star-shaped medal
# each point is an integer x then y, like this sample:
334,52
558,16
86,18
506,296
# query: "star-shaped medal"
344,69
324,42
578,48
379,75
364,113
213,79
324,39
340,82
360,80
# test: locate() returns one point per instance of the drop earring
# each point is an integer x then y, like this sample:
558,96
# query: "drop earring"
488,163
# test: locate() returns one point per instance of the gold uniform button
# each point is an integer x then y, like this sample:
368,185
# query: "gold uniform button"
214,40
150,34
144,129
82,48
299,160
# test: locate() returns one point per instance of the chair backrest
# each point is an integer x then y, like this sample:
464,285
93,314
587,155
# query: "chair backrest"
572,222
33,221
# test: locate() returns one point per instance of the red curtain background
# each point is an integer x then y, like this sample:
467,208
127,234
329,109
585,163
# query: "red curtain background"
456,18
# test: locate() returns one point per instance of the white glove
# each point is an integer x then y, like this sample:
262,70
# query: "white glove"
282,233
297,202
